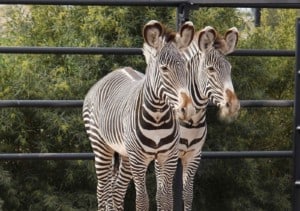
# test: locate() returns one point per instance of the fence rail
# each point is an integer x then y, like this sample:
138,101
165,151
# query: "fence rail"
183,6
169,3
78,103
127,51
90,156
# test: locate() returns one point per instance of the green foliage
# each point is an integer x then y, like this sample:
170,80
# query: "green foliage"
243,184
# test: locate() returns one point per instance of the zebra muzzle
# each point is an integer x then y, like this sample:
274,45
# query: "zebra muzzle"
186,108
230,110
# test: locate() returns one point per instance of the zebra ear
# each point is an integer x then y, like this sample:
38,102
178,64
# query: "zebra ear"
231,38
152,33
186,34
206,38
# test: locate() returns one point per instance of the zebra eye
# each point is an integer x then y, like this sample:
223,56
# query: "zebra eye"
164,68
211,69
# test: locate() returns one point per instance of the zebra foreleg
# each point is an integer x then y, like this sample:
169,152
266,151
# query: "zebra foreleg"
189,169
164,176
138,169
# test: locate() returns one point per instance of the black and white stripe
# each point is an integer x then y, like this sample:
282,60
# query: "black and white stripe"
210,76
132,115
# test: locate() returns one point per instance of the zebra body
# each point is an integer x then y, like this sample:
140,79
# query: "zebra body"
210,81
134,116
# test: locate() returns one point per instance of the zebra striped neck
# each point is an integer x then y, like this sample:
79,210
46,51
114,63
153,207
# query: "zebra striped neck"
197,80
154,108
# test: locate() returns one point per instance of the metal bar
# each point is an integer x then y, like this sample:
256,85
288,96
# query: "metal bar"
248,3
177,182
258,52
178,188
172,3
70,50
257,17
296,199
90,156
41,103
267,103
46,156
247,154
78,103
167,3
125,51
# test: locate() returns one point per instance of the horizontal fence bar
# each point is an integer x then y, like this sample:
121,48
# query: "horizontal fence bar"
41,103
169,3
46,156
79,103
90,156
258,52
267,103
71,50
173,3
247,154
126,51
291,4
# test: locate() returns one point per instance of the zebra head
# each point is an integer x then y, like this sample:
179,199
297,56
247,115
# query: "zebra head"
214,70
163,53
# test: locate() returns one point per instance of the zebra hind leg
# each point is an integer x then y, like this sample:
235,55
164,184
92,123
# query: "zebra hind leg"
104,173
103,166
122,179
103,162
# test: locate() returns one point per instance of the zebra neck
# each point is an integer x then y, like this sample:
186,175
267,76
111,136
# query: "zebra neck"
154,112
192,52
200,101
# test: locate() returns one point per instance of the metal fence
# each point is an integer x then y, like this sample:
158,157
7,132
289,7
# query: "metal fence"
183,8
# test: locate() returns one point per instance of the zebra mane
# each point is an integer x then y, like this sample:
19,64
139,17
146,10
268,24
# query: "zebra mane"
169,35
219,42
148,52
193,50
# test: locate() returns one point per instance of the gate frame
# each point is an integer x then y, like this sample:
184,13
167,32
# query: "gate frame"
183,9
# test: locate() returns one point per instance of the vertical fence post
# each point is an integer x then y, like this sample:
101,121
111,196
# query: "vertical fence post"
182,16
296,199
257,15
183,12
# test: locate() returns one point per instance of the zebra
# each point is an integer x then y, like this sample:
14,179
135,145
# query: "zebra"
210,74
209,80
134,116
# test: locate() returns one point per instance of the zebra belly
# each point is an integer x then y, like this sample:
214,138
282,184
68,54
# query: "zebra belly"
119,148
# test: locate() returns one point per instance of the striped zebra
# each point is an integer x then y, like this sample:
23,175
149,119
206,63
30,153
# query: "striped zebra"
210,81
133,115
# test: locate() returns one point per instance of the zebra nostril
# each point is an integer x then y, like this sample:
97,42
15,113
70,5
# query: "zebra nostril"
183,110
227,105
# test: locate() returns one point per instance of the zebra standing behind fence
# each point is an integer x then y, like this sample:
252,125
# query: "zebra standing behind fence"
134,116
210,81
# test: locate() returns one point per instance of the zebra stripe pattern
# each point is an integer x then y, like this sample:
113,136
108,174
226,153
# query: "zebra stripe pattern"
210,76
133,116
